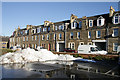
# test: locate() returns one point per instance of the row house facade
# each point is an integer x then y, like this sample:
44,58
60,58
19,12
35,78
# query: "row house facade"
100,30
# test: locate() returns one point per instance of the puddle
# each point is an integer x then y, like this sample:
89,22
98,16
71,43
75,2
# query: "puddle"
61,69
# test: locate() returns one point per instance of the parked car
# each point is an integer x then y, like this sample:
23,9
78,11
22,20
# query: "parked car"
90,49
17,48
39,47
69,50
11,47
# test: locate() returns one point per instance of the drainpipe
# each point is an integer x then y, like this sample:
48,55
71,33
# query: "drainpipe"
66,27
55,41
107,39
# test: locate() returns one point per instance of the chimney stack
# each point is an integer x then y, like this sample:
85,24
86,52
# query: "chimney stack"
18,27
112,10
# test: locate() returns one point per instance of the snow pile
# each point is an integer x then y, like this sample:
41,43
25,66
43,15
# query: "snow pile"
30,55
65,57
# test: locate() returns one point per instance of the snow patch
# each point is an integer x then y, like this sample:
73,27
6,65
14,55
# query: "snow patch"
30,55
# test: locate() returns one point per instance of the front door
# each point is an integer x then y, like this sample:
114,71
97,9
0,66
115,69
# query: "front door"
61,47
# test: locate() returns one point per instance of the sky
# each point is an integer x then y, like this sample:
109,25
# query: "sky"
16,14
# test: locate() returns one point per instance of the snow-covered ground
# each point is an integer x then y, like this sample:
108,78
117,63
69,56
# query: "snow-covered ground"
30,55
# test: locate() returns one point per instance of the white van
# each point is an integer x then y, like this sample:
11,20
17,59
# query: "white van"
118,49
90,49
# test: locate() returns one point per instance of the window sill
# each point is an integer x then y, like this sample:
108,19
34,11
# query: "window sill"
114,50
98,37
116,23
115,36
90,26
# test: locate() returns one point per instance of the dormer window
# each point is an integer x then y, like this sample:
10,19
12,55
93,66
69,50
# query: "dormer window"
34,31
38,30
73,25
100,21
55,27
61,27
90,23
25,31
44,29
116,18
48,28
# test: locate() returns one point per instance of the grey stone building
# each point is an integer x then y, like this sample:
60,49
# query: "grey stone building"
102,30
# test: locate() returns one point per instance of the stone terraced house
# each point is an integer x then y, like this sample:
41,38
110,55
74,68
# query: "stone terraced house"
102,30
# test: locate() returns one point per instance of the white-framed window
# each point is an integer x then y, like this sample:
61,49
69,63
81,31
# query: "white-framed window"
36,37
71,45
32,38
23,45
48,37
35,46
38,30
74,25
71,35
115,32
60,36
78,35
54,36
81,43
43,37
116,18
55,27
61,27
32,45
33,31
25,31
26,38
23,38
48,28
89,43
90,23
80,24
115,45
98,34
100,21
44,29
89,34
